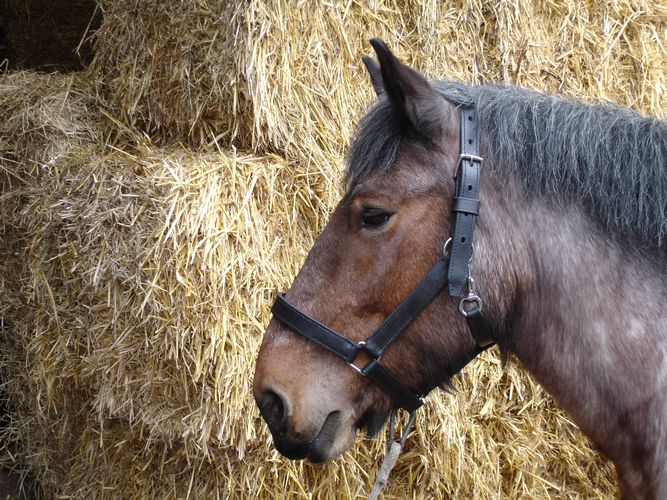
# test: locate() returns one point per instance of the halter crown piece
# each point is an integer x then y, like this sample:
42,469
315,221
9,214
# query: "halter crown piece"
452,269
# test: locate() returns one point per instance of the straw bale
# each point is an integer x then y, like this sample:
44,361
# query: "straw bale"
170,67
278,75
43,115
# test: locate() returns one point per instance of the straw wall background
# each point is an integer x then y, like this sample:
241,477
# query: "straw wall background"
153,204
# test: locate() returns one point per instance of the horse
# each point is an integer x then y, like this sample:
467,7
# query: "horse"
568,264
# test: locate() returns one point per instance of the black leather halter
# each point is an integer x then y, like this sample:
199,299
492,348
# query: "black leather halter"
453,269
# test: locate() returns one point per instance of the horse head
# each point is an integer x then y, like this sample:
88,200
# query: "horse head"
383,237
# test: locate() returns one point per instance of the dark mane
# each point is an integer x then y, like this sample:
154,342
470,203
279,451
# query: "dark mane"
611,160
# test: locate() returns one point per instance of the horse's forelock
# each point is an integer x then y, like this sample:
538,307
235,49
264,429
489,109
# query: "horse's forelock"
375,144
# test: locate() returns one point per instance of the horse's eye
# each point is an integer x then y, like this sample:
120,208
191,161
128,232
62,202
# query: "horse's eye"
374,218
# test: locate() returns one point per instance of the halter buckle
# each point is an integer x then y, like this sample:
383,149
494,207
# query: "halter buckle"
467,157
470,158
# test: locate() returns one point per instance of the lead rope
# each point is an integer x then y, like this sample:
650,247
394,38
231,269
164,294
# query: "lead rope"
394,449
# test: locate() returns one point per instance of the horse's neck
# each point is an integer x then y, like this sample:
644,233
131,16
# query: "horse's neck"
589,322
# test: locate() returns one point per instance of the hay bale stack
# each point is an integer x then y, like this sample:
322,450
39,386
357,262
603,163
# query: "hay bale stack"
136,276
273,75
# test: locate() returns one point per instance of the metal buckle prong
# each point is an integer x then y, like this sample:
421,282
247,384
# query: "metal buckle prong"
470,158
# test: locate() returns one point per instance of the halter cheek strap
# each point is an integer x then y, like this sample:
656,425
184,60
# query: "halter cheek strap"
465,203
453,269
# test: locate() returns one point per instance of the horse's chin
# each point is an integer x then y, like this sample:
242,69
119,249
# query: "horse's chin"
322,454
324,446
337,434
335,437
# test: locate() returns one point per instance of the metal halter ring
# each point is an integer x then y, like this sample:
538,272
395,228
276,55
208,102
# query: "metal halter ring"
470,298
361,345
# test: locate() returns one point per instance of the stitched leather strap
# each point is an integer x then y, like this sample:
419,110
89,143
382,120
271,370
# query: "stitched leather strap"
291,317
311,329
479,328
420,297
388,383
466,203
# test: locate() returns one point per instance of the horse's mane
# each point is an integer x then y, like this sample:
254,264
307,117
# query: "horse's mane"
611,160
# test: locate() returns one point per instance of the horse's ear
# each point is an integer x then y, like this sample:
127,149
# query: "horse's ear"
374,72
410,93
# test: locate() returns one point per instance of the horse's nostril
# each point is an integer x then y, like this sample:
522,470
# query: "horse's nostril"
272,408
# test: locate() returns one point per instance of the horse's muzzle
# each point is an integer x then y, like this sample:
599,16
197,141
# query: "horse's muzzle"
293,446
